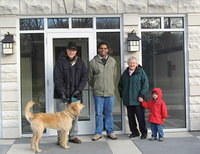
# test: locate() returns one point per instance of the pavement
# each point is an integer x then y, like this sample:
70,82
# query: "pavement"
174,143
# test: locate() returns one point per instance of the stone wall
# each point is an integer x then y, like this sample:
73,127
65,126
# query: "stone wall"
61,7
194,69
8,80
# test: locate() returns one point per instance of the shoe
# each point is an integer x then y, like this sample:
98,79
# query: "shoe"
152,139
161,139
143,136
75,140
112,136
96,137
133,135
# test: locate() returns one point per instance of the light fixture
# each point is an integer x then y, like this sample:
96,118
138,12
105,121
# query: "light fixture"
7,44
133,42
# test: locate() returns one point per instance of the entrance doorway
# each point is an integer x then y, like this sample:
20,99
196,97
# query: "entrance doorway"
41,42
57,43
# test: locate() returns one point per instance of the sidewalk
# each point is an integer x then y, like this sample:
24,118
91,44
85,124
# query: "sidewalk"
175,143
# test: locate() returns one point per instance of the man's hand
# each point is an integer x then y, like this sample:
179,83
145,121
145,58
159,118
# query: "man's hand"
76,93
64,99
140,99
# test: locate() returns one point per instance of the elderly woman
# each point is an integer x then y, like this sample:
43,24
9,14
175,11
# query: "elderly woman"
134,84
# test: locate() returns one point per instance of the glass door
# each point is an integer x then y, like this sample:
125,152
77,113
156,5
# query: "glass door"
57,43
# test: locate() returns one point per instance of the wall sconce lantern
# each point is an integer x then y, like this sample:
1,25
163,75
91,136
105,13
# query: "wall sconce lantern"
133,42
7,44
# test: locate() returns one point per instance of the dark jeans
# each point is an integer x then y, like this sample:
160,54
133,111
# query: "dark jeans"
133,112
157,129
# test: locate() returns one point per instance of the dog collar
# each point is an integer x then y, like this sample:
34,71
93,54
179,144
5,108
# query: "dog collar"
70,114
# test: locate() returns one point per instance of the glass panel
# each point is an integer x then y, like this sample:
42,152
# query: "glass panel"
59,46
58,23
108,23
113,38
82,22
32,74
163,61
32,24
150,22
174,22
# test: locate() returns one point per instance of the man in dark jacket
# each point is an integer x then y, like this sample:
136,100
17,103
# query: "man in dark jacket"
70,78
134,85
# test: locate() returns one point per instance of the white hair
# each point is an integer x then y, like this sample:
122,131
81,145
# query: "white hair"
132,58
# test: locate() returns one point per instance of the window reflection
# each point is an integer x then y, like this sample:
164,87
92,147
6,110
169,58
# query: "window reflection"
32,24
163,61
150,22
108,23
82,22
58,23
32,74
173,22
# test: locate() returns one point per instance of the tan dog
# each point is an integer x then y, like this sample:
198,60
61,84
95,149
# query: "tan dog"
60,121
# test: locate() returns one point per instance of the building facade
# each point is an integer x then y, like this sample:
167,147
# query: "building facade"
169,52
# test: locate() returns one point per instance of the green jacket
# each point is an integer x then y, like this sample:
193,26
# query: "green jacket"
102,77
134,86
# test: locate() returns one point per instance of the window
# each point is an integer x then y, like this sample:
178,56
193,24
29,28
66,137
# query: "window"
163,60
82,22
58,23
108,23
150,22
32,73
32,24
113,39
173,22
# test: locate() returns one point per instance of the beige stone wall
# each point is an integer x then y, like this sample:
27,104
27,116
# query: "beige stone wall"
8,79
61,7
194,70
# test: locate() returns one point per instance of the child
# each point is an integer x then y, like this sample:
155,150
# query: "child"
158,113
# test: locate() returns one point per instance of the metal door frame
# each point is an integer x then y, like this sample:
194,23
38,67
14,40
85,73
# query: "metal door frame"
84,127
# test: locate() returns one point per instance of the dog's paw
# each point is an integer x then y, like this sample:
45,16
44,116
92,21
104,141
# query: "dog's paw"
38,150
65,146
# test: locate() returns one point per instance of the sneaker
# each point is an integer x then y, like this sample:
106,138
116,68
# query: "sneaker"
133,135
161,139
96,137
152,139
112,136
143,136
75,140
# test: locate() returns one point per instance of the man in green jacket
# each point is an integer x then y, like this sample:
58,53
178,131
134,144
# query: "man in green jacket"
134,84
102,74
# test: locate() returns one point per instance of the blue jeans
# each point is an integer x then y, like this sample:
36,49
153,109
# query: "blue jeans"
103,109
157,129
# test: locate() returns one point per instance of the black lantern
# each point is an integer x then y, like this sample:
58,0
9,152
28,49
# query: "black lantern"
7,44
133,42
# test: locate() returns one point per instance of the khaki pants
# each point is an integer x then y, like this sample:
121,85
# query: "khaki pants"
60,106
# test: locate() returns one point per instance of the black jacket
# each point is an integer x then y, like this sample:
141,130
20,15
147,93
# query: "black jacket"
69,78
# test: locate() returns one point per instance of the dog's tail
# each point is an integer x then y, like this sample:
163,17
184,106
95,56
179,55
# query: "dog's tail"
28,113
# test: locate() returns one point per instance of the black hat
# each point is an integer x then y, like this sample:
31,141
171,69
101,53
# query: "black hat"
72,46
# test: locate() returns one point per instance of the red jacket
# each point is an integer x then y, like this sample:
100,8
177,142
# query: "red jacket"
157,108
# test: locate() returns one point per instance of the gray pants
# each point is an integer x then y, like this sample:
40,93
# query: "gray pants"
60,106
